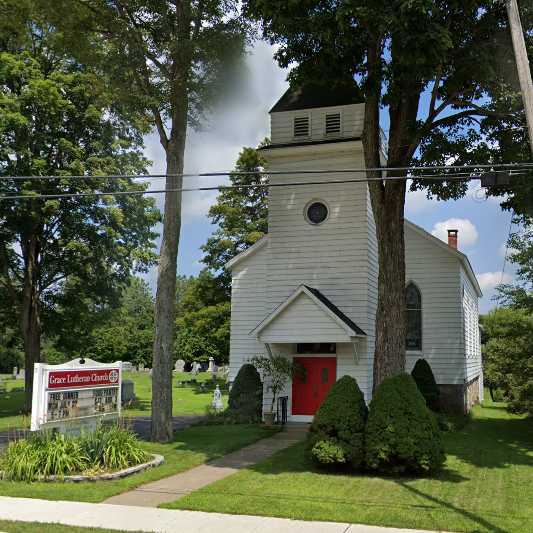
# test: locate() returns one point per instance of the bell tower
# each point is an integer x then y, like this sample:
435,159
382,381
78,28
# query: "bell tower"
321,233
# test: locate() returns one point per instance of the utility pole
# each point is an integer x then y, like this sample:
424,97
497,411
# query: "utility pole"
522,64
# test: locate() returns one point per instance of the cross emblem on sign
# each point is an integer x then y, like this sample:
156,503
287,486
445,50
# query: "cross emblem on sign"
113,376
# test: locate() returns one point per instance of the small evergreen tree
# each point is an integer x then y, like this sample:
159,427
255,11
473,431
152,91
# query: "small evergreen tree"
336,436
245,401
402,435
425,381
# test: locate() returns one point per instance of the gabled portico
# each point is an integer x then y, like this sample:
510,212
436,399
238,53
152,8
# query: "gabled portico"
309,328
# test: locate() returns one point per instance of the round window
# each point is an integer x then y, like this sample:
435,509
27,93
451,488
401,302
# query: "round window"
316,212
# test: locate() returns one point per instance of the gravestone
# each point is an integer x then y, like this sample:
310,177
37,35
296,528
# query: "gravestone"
217,400
211,364
21,374
195,368
15,372
127,366
141,367
179,365
127,391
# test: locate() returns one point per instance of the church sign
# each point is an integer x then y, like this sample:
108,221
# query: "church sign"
75,395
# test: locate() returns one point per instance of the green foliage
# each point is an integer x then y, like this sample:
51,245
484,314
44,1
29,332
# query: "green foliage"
277,370
241,216
54,454
508,356
124,333
336,435
246,395
58,117
425,381
402,435
113,448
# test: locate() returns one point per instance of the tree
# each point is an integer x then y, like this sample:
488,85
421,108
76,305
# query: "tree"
126,333
241,216
169,59
508,356
58,254
432,66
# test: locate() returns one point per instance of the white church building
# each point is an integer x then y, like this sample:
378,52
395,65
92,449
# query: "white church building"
308,289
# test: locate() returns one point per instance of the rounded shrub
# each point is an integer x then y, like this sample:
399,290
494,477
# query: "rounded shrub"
245,401
425,381
402,435
336,436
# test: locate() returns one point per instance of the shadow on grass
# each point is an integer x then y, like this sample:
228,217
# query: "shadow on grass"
444,504
494,443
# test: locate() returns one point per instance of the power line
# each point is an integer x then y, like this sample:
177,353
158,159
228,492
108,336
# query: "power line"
504,166
227,187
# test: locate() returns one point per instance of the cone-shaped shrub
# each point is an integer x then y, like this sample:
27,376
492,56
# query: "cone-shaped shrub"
336,436
402,435
425,381
245,402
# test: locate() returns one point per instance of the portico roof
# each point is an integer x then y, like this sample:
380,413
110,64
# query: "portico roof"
307,316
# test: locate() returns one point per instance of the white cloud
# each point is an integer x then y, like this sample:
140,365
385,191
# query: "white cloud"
490,280
467,236
417,201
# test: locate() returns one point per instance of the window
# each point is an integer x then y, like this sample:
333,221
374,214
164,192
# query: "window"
316,212
316,347
333,123
301,126
413,340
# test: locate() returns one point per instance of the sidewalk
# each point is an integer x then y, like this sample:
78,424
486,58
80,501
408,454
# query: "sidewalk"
124,518
174,487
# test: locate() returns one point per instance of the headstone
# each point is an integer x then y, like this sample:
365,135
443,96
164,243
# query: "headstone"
21,374
217,400
15,372
179,365
195,368
211,364
127,366
127,391
141,367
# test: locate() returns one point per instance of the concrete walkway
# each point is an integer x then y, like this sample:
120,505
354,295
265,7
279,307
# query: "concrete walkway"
166,520
174,487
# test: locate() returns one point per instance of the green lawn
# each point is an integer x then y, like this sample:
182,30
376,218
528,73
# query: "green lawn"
487,485
188,400
191,447
37,527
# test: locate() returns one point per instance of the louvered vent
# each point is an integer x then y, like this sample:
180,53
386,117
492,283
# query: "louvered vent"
301,126
333,123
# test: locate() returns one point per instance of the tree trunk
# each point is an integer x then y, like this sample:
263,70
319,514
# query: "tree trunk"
390,328
165,301
30,316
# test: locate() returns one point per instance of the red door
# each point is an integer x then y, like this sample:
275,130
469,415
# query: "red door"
309,391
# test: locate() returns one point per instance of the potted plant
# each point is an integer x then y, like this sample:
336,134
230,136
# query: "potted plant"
276,370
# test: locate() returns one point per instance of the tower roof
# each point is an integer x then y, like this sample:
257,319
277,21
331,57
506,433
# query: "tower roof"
318,95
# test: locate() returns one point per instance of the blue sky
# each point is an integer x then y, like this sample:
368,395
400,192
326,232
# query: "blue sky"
243,121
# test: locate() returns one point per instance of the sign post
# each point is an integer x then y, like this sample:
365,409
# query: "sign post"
75,395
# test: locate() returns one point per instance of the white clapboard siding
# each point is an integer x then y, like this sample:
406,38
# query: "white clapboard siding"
248,308
436,272
472,342
282,123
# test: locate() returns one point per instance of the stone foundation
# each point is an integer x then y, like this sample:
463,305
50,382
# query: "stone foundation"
459,398
472,393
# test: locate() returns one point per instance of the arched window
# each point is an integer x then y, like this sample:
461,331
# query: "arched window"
413,339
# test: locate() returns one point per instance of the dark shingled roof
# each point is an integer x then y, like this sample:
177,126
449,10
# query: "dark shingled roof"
314,95
334,309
